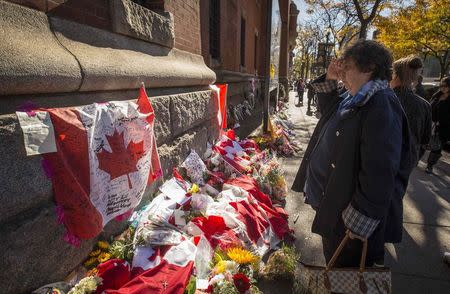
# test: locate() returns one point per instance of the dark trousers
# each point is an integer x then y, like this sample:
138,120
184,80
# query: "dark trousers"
300,96
434,156
351,254
310,100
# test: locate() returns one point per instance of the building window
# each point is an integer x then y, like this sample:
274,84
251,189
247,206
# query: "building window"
242,41
156,5
214,28
255,57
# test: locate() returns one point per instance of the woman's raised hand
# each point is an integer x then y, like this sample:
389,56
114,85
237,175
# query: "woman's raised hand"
334,70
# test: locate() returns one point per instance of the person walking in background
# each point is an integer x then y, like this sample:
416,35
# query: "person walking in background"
440,107
300,92
310,95
419,89
357,164
418,110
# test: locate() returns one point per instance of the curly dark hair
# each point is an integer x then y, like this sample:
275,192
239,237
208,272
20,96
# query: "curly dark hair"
446,80
371,56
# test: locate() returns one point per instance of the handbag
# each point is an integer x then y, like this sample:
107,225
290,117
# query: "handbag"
435,142
373,280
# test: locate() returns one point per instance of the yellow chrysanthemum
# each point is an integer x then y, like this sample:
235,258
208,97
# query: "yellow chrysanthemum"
92,272
241,255
104,257
90,262
95,253
103,245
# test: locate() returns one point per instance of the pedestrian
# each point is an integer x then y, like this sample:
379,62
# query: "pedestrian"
356,167
419,89
417,109
310,95
440,107
300,92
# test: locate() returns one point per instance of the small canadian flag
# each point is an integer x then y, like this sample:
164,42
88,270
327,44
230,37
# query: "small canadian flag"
105,157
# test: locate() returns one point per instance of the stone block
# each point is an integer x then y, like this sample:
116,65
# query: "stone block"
191,109
23,183
134,20
31,59
34,253
174,154
162,129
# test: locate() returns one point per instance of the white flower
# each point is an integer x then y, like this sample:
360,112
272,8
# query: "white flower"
86,285
216,279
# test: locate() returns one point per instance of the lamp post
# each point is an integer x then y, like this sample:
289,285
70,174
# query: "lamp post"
327,34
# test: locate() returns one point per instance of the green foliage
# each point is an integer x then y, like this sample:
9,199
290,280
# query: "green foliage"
191,286
422,28
282,264
123,247
226,287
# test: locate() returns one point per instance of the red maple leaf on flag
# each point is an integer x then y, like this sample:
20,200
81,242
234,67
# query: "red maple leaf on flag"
120,161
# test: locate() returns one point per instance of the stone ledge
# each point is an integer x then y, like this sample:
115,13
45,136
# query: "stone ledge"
113,62
134,20
31,59
83,58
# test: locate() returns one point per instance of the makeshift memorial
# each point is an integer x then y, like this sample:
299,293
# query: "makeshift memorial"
207,229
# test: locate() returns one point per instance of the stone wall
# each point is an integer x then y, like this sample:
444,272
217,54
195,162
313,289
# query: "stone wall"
53,62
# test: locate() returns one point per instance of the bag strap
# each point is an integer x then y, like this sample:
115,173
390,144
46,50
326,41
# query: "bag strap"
362,263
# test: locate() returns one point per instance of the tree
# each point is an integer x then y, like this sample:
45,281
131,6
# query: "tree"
345,14
422,28
308,37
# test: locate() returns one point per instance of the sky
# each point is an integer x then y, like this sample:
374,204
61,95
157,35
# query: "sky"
302,7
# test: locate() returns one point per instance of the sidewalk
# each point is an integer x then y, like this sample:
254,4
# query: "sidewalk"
416,263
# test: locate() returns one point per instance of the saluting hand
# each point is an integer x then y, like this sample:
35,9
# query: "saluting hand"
334,70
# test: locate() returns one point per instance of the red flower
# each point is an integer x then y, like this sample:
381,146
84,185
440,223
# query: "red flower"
241,282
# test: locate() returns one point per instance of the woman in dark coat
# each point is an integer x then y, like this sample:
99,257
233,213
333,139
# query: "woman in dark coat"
417,109
357,164
440,104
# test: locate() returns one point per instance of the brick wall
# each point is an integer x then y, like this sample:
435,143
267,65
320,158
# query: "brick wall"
90,12
96,13
231,12
187,24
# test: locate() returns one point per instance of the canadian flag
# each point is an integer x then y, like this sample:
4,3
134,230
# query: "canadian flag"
105,157
160,270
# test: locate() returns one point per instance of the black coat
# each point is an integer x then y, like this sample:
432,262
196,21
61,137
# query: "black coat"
441,114
364,171
418,112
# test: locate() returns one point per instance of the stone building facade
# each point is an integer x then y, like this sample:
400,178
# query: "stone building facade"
56,53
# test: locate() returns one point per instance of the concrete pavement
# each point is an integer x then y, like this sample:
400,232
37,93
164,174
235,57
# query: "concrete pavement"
416,263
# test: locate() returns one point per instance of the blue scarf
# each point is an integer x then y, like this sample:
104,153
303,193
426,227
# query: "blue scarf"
363,95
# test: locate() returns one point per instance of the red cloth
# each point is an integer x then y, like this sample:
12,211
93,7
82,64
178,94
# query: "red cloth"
164,278
223,104
251,214
115,273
